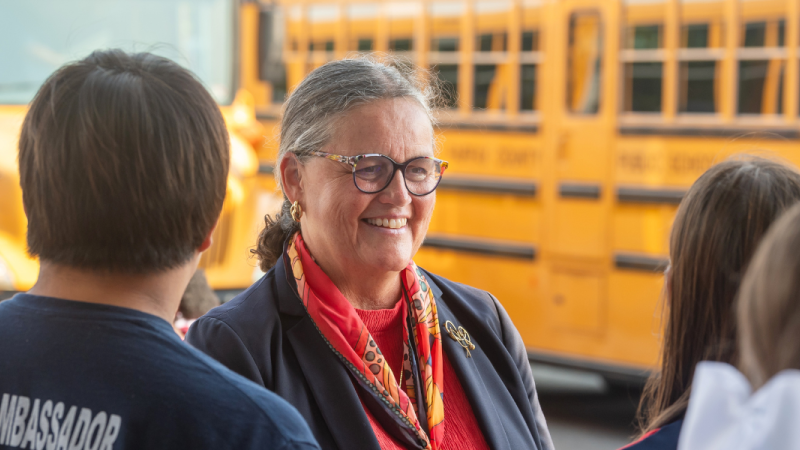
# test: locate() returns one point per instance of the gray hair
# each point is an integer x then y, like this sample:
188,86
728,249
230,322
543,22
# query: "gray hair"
312,110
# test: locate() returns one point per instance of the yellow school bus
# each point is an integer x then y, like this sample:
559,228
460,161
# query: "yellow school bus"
216,39
574,128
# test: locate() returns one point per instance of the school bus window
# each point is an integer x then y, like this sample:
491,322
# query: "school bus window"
322,28
444,44
643,86
764,34
320,46
643,69
696,87
694,35
644,37
530,55
484,78
702,25
444,26
448,78
761,72
361,19
760,87
401,25
699,63
491,25
491,71
401,45
584,62
364,45
530,41
497,42
484,43
527,101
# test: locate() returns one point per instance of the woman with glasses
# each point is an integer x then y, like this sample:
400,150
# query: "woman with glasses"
375,352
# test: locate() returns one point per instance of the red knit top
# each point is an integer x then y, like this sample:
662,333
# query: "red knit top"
461,431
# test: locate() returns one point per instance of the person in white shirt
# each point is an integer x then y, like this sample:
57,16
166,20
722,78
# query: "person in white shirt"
757,408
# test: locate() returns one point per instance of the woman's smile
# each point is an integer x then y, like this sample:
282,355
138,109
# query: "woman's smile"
388,222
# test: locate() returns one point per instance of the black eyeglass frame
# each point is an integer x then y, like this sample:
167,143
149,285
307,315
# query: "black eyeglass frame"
353,160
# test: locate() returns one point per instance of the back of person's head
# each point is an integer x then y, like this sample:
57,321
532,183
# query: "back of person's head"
123,162
769,303
717,228
198,298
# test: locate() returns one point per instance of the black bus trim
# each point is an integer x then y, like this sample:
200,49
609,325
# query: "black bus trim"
643,263
510,250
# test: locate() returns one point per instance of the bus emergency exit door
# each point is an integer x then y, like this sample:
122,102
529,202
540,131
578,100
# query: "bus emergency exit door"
578,194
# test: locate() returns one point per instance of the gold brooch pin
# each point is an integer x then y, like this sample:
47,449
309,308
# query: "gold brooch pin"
461,336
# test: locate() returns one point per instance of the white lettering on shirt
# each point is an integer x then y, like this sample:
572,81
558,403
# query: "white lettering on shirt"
30,431
44,425
40,427
7,407
58,413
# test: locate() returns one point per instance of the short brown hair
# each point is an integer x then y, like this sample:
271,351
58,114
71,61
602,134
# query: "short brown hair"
123,162
769,303
716,231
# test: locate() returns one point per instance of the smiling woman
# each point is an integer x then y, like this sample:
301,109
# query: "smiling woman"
401,129
344,325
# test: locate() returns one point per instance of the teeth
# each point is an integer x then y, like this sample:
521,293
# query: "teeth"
388,223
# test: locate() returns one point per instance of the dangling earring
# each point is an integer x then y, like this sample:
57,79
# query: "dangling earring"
296,211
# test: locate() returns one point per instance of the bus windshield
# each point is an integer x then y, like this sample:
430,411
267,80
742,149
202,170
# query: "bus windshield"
38,36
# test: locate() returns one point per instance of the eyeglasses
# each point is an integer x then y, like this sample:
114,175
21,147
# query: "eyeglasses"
373,172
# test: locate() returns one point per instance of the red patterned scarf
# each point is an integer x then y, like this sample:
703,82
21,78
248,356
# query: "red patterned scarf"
342,328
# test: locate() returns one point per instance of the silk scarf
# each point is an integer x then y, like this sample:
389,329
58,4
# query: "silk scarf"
349,339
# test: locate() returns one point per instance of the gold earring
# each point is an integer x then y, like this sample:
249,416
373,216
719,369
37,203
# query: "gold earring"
296,211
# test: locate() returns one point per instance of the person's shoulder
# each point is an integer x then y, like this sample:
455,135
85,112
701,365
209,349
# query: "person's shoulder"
280,417
6,309
664,438
257,301
246,406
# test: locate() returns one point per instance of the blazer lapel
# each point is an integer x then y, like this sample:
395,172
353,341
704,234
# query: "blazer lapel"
332,388
329,382
470,377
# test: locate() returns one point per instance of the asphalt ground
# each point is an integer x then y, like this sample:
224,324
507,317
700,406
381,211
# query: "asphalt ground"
583,412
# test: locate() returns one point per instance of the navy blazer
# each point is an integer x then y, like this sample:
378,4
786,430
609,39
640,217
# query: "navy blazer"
266,335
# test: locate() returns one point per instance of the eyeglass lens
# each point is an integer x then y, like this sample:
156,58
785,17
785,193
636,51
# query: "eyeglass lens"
374,173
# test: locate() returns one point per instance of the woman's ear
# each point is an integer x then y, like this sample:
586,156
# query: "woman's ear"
291,177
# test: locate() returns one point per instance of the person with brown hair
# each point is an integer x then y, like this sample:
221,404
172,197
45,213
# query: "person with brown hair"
756,410
716,230
197,300
123,162
375,352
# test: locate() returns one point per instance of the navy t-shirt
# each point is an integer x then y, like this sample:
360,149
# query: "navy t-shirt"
82,376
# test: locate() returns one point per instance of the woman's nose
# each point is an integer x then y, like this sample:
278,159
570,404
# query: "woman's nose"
396,192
